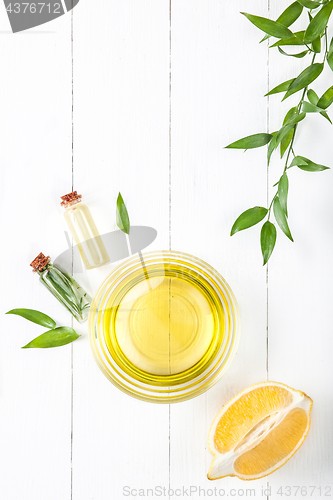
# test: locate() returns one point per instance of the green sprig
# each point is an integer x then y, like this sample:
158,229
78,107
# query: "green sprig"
314,41
55,337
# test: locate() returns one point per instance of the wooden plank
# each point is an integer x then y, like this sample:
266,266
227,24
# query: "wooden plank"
121,144
300,287
217,80
35,394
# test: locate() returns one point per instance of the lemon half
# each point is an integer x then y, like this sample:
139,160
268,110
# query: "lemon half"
258,431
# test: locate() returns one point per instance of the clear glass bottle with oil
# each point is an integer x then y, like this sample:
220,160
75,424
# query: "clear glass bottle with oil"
63,287
84,231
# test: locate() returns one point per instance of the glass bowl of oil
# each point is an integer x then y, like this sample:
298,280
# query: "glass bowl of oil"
163,326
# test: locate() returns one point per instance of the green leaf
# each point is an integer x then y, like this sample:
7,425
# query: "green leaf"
281,218
330,60
325,115
282,87
251,141
291,113
305,78
283,192
295,119
249,218
307,165
122,217
267,240
298,55
307,107
283,133
286,133
286,141
288,137
326,99
296,39
330,55
35,316
309,4
298,160
311,166
316,45
312,96
318,23
272,28
272,147
288,16
53,338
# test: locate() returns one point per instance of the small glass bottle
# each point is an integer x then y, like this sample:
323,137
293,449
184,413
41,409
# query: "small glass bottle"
84,231
63,286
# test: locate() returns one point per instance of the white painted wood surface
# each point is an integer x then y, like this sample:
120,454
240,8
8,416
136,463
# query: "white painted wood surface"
65,432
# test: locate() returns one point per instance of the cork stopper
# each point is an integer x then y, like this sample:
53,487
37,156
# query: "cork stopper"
40,262
70,199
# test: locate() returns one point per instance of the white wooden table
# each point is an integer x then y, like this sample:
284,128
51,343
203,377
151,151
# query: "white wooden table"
158,90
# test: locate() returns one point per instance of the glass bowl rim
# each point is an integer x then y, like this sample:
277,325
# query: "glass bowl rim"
153,393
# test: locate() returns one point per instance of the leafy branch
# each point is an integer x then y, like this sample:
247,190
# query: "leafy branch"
313,42
56,336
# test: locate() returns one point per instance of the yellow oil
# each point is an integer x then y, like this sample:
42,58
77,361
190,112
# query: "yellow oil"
164,324
86,236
